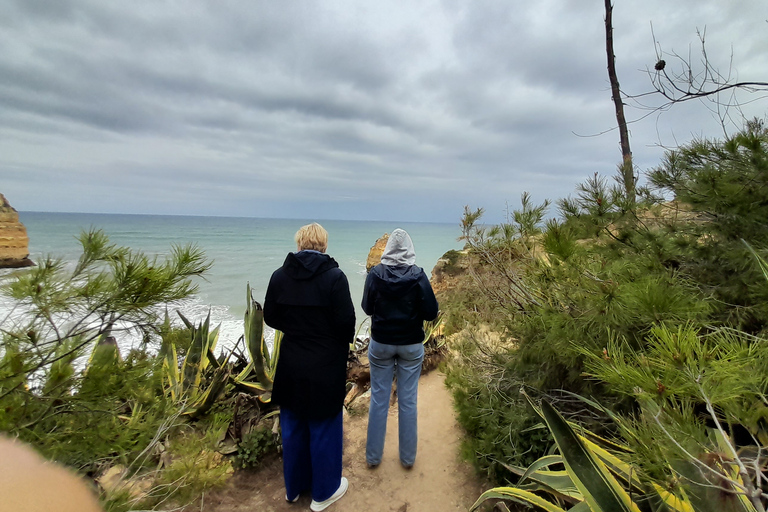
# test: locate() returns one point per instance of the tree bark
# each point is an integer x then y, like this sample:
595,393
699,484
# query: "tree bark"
627,169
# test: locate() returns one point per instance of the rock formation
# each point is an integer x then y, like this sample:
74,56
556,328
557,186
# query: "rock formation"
374,255
14,242
450,271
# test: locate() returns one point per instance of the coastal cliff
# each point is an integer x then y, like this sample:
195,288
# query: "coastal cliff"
14,242
449,271
374,255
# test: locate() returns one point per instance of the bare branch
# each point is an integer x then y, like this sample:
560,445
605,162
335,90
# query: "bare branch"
677,79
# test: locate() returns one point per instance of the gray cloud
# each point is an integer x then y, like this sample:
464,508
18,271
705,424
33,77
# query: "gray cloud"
337,109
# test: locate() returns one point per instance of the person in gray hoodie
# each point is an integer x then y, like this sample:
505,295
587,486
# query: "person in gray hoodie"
399,298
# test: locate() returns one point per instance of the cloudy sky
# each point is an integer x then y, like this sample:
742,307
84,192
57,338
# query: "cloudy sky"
340,109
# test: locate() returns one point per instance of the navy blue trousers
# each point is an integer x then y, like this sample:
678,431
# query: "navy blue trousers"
311,455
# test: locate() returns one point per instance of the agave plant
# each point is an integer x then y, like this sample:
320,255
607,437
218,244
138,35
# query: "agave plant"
433,329
263,363
359,343
201,378
595,479
585,483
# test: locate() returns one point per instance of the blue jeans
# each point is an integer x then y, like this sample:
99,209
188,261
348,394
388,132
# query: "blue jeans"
384,360
312,451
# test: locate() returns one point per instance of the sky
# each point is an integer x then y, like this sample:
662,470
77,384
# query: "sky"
345,109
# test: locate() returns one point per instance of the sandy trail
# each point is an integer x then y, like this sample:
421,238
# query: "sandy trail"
439,481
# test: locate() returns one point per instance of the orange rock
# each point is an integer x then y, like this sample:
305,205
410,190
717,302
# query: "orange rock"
14,242
374,255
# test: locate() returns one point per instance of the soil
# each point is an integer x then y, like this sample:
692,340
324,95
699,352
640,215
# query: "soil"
439,481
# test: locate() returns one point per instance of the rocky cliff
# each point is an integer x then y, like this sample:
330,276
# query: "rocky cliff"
450,271
374,255
14,242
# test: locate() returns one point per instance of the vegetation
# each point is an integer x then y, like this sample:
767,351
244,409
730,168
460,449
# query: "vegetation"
49,394
595,477
255,446
452,258
263,363
162,417
657,313
192,386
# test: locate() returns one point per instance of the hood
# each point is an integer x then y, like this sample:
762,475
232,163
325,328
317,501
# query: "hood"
399,250
399,280
304,265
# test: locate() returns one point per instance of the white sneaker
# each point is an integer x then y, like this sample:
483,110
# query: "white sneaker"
317,506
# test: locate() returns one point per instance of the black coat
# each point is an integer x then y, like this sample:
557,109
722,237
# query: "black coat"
398,299
308,299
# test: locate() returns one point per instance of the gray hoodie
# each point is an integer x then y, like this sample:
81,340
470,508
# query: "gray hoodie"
398,295
399,250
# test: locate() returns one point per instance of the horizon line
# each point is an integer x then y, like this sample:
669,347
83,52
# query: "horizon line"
231,217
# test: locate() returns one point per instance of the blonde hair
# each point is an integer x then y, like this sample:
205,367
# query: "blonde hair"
312,236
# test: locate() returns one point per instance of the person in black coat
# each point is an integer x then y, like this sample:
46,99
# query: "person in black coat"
399,298
308,299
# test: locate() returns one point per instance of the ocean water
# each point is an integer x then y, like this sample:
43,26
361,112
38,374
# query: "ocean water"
243,250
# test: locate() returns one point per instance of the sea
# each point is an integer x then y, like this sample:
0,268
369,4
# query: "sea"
243,250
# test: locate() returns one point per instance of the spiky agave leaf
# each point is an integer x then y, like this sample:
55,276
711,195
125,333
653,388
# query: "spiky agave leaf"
517,495
254,338
276,344
600,489
171,373
555,482
602,448
432,327
192,367
543,462
585,477
206,399
672,501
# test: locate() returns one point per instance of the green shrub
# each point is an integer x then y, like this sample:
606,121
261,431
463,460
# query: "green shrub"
255,446
603,276
491,409
194,469
120,408
722,187
451,267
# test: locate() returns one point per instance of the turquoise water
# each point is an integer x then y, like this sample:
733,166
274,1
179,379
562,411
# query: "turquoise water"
242,249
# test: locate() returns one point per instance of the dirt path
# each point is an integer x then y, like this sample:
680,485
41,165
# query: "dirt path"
439,481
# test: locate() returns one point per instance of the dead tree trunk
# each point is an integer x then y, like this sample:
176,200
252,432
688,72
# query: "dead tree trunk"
627,170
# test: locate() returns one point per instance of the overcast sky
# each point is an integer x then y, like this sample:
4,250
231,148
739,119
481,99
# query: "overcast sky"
340,109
